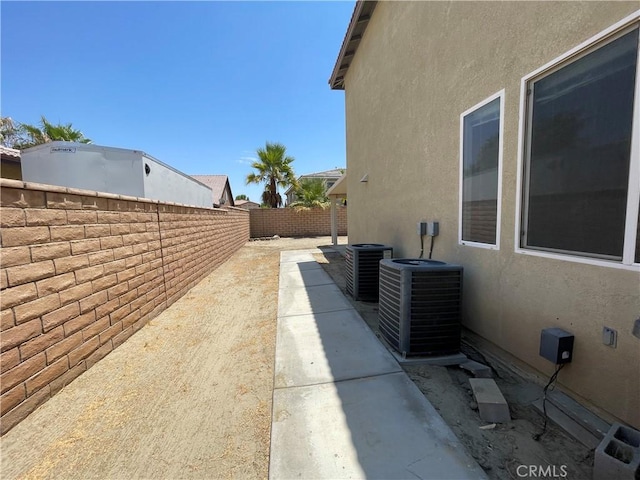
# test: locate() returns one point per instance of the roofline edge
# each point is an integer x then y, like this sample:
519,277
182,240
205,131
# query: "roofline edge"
334,83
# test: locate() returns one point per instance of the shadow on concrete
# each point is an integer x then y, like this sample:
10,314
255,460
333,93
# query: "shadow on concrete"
343,407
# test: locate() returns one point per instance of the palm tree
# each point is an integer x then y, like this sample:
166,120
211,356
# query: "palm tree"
48,132
312,192
274,169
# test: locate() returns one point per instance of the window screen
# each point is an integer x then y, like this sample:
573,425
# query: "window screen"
579,152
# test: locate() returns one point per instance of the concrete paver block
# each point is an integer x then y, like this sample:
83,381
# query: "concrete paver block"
328,347
567,423
478,370
618,455
491,403
374,427
583,417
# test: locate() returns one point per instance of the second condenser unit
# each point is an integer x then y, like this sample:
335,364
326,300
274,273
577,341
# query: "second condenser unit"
420,306
361,269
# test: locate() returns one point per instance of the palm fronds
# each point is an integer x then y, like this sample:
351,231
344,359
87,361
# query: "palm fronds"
311,193
275,170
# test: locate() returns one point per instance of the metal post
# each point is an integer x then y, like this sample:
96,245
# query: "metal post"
334,221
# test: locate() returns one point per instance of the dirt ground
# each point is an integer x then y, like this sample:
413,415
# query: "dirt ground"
189,395
500,450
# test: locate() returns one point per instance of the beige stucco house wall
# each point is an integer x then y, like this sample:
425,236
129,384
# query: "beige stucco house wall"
417,68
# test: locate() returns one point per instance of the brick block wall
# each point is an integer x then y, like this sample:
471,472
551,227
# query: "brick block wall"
81,272
287,222
193,244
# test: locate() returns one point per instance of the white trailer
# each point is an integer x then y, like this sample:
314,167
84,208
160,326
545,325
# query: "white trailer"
111,170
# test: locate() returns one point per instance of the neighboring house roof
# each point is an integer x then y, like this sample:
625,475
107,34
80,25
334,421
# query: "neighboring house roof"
218,184
11,163
9,153
326,175
358,24
335,173
246,204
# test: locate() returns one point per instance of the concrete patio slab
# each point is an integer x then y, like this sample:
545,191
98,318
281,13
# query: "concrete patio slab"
306,300
309,277
299,266
342,406
297,256
328,347
376,427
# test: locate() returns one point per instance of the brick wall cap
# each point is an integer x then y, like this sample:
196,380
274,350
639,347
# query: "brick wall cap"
79,191
43,187
115,196
7,183
235,209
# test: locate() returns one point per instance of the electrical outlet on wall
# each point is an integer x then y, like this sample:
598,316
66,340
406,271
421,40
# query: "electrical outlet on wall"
609,337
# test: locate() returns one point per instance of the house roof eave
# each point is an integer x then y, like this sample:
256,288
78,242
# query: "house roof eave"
358,24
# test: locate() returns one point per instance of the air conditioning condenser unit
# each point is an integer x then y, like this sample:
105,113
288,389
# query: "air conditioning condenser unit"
362,267
420,306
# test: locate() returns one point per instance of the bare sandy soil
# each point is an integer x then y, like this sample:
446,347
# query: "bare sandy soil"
501,450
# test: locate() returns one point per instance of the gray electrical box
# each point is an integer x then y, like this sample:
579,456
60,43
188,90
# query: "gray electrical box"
556,345
431,229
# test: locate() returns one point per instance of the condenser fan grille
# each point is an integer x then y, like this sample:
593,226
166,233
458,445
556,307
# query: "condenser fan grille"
435,312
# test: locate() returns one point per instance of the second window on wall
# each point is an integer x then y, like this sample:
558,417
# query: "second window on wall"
480,164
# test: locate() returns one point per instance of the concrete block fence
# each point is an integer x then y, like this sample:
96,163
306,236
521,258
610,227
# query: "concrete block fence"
81,271
287,222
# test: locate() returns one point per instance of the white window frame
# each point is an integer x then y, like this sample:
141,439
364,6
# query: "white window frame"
484,102
633,193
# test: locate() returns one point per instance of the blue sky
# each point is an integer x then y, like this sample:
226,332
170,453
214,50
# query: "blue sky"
197,85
